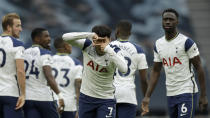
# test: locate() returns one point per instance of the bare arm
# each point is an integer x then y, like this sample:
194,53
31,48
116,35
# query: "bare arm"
77,88
53,85
143,79
154,77
203,102
21,82
50,79
77,38
117,59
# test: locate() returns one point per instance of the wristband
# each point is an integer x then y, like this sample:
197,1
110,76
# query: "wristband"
60,95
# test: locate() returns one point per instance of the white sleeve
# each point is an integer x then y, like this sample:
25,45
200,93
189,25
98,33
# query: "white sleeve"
141,61
46,60
157,57
78,39
78,72
19,53
193,51
117,58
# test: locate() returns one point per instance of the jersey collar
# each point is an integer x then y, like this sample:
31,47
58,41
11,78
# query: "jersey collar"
37,45
122,40
173,37
4,35
62,54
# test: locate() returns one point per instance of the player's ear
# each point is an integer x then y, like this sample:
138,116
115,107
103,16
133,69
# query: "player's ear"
117,33
36,39
9,28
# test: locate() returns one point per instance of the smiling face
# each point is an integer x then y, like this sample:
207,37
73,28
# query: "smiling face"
169,22
45,39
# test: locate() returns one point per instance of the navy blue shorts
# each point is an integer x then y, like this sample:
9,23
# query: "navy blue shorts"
7,108
125,110
182,106
90,107
68,114
40,109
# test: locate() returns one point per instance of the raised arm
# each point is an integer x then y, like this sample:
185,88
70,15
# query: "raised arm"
116,57
78,39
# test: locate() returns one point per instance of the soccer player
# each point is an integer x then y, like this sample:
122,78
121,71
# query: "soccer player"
178,54
100,59
38,61
67,73
12,74
125,92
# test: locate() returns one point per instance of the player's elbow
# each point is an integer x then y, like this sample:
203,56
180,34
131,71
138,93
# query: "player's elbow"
65,36
123,69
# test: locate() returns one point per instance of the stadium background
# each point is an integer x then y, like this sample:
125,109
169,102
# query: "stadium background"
61,16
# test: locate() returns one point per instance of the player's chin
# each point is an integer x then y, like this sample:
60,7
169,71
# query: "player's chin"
168,29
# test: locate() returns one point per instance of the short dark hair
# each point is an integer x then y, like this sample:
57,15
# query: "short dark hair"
58,42
8,20
172,11
37,32
124,27
102,30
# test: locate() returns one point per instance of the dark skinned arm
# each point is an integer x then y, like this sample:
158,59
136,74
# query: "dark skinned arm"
154,77
203,101
143,79
53,85
77,90
50,79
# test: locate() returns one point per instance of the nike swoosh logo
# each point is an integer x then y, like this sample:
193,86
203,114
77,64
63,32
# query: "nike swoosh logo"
182,114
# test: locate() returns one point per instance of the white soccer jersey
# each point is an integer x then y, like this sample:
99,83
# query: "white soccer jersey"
66,70
10,50
98,72
175,55
125,83
36,84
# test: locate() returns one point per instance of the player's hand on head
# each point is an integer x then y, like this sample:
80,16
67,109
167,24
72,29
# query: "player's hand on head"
203,103
145,106
105,42
94,39
20,102
61,106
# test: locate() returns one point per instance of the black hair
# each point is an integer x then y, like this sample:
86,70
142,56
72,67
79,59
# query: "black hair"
58,42
102,30
172,11
124,27
37,32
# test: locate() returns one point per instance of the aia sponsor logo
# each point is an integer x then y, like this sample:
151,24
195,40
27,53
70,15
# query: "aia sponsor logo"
96,67
171,61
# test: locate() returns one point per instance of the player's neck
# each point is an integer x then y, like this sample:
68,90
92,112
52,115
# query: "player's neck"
171,35
122,39
5,33
36,45
61,53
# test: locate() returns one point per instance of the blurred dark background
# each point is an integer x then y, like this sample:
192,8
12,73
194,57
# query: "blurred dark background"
61,16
